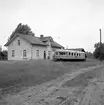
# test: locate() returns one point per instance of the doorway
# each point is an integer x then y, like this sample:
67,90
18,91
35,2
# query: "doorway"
44,54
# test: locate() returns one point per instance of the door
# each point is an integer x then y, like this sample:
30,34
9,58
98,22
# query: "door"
44,54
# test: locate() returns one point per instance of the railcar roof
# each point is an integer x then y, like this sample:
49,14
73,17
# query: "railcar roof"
63,50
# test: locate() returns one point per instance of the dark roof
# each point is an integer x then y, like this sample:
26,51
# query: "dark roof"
33,40
77,49
36,40
55,44
29,38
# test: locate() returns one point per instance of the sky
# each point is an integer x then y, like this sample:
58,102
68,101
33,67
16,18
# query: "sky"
72,23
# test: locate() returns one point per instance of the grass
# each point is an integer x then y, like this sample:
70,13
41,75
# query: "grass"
33,72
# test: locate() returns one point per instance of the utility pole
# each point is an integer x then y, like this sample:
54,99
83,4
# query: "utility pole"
100,47
100,36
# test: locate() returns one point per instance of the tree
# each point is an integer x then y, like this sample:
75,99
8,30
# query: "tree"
5,52
99,51
22,29
3,55
89,54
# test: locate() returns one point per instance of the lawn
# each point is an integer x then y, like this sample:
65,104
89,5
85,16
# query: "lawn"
33,72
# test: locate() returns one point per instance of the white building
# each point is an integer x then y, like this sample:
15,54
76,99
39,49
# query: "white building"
31,47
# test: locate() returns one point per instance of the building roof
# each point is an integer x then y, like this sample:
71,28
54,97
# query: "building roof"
55,44
77,49
66,50
29,38
35,40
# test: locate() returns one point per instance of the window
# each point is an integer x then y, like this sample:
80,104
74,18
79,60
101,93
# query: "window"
60,53
63,53
69,53
13,53
24,53
72,54
37,53
18,42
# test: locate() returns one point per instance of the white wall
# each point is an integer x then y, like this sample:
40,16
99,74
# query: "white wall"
41,52
19,49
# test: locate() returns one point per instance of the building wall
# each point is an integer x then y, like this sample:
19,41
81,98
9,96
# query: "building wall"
41,50
47,49
19,49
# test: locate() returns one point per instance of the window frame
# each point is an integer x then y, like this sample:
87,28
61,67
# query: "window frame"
19,42
24,53
13,53
69,53
79,54
37,53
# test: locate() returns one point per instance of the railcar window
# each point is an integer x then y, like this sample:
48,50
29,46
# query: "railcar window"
77,54
60,53
69,53
72,54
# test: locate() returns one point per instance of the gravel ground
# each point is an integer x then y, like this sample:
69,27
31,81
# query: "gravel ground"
85,87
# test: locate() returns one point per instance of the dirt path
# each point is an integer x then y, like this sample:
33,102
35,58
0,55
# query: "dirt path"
85,87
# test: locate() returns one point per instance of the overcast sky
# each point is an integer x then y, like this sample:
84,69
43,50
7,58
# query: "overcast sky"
72,23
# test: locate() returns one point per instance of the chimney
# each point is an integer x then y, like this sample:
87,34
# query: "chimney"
41,36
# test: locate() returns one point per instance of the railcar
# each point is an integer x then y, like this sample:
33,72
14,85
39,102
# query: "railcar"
64,54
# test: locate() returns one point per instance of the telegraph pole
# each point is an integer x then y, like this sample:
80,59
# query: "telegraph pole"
100,36
100,47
